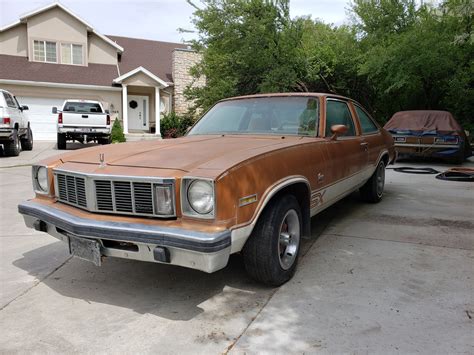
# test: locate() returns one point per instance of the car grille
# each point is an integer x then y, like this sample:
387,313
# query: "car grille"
118,195
124,196
72,189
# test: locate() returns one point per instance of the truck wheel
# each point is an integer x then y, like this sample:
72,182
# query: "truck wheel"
104,140
372,190
271,252
61,141
13,148
27,141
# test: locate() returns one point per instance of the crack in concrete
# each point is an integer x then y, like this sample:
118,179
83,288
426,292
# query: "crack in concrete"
395,241
37,282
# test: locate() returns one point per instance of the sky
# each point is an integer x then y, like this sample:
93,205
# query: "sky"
155,19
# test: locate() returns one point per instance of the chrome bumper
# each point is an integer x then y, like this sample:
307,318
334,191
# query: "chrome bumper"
6,133
82,130
196,250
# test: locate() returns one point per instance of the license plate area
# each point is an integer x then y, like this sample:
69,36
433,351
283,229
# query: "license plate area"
85,249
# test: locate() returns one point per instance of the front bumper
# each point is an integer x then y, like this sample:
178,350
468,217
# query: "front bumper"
196,250
429,150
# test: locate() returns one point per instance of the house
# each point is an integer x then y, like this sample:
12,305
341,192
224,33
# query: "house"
51,54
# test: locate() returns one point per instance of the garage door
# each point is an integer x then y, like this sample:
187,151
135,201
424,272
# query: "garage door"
42,121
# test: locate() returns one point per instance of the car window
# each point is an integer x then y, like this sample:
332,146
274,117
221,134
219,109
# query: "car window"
9,100
265,115
366,123
82,107
337,112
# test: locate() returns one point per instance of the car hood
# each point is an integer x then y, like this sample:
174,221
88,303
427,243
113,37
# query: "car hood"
182,154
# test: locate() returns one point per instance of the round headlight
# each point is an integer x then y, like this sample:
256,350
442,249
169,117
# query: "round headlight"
42,178
201,196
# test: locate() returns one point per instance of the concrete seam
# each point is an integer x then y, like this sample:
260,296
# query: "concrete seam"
37,282
395,241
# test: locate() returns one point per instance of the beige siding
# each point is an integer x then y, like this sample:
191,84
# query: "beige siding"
14,41
56,25
139,79
100,51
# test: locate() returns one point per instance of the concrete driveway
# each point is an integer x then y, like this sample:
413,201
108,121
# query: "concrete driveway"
392,277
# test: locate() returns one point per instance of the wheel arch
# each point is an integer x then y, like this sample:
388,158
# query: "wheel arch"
298,186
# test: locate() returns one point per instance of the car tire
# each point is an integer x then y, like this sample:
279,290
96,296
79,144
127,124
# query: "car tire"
61,141
271,252
372,191
27,141
13,147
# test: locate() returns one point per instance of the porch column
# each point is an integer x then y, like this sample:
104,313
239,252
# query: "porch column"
125,108
157,111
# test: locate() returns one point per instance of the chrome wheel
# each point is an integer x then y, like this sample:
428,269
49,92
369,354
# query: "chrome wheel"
289,239
380,179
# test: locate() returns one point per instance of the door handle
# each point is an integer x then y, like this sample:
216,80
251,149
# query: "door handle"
365,145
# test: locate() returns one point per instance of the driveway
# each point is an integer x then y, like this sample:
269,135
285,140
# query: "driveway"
391,277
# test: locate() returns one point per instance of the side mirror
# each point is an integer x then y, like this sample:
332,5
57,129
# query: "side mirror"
54,110
24,108
107,112
338,130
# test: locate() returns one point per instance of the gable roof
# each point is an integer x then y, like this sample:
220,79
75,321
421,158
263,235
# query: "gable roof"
154,56
13,67
121,78
25,17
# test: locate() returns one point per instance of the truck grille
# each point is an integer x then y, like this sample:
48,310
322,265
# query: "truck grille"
115,195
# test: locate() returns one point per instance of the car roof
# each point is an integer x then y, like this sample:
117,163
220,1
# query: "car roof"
289,94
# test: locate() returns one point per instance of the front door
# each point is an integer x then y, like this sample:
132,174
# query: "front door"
138,113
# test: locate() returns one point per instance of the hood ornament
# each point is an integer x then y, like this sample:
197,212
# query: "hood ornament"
102,160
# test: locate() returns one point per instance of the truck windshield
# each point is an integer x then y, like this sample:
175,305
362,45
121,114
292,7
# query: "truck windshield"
267,115
82,107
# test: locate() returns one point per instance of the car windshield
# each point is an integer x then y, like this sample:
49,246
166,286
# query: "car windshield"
267,116
82,107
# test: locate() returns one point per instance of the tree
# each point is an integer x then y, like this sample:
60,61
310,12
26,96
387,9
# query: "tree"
247,47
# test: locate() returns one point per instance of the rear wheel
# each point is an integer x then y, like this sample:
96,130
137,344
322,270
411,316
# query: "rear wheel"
13,147
104,140
271,253
27,140
372,190
61,141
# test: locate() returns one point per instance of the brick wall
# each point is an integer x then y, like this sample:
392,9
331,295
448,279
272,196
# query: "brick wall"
183,60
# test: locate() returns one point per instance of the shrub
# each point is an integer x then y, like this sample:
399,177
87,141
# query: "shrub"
117,132
173,125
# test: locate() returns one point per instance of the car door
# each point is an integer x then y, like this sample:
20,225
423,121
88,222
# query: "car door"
346,155
370,135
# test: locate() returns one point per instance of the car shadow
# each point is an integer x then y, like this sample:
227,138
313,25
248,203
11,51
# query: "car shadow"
171,292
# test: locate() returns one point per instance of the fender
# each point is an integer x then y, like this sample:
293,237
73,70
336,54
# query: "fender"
240,233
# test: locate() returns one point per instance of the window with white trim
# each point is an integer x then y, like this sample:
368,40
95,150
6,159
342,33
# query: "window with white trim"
71,54
44,51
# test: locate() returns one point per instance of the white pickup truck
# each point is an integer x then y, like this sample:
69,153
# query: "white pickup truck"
83,121
15,130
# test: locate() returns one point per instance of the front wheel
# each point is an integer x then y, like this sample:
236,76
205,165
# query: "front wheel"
27,141
271,252
372,190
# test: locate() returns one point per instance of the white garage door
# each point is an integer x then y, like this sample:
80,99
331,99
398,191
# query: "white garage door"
42,121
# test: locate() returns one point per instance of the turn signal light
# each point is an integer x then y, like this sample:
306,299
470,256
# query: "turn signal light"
6,120
60,117
108,120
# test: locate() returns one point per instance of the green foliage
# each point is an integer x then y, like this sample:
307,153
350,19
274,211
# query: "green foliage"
396,54
173,125
117,132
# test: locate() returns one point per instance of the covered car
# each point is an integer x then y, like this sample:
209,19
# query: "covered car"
429,133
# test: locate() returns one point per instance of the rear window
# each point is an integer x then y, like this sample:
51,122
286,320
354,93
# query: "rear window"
82,107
